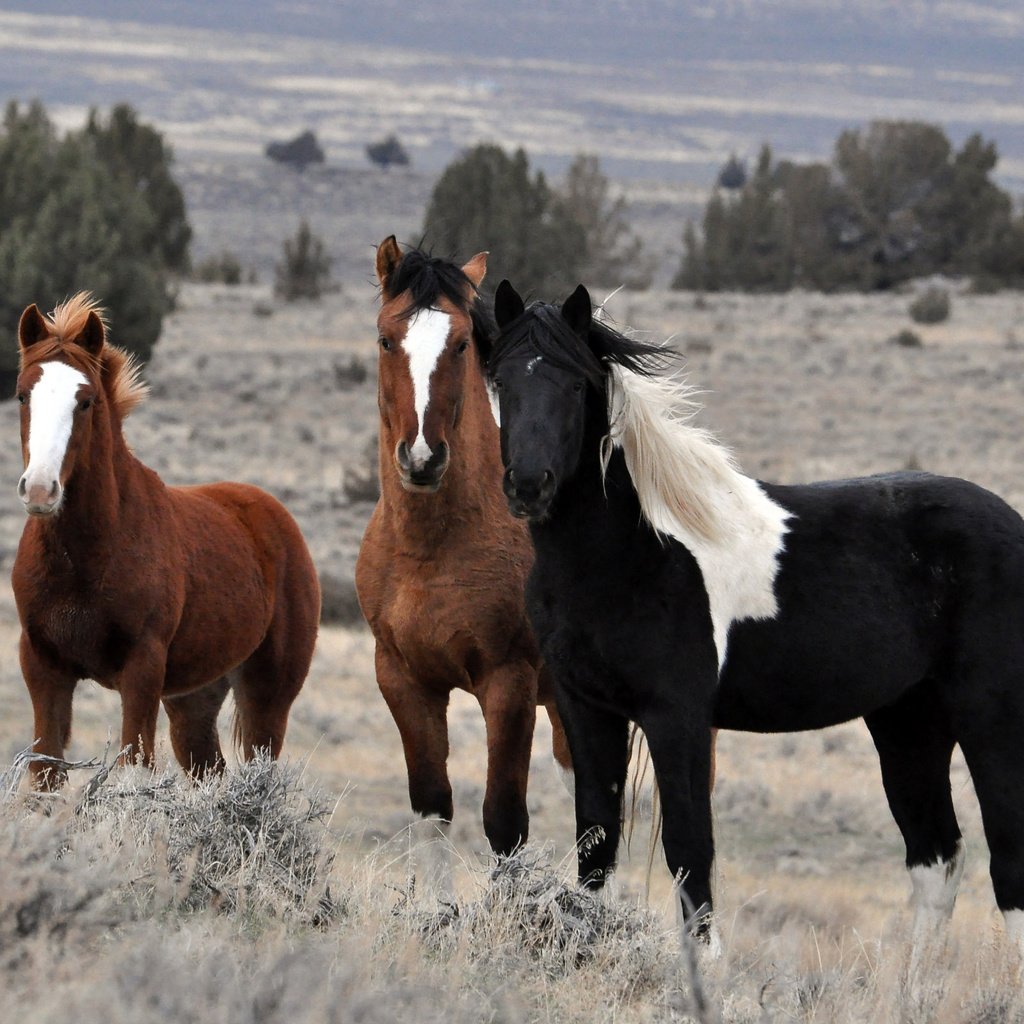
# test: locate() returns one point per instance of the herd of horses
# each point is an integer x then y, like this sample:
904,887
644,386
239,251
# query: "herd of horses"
553,530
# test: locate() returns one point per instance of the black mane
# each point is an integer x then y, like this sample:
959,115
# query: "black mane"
543,329
428,279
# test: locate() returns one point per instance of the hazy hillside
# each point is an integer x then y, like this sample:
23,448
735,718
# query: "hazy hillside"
662,91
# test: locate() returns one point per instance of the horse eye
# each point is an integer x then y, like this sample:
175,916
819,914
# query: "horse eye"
384,343
22,398
578,386
497,384
84,404
462,346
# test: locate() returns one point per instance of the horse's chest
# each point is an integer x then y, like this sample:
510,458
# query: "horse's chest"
83,636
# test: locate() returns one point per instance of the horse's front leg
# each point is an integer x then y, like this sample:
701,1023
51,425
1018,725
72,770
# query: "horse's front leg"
51,689
141,683
508,697
599,744
680,740
421,714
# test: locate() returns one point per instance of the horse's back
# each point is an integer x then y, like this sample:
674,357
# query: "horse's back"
882,582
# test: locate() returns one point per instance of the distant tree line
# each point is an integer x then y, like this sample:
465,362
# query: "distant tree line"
96,209
896,201
546,239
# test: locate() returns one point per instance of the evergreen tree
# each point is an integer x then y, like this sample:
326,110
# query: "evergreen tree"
305,268
73,217
612,252
488,200
138,154
896,203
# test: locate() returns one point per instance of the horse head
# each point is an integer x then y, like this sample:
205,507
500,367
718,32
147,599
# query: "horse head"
58,388
71,384
543,371
429,328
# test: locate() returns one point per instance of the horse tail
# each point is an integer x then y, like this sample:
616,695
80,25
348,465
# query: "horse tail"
236,733
640,753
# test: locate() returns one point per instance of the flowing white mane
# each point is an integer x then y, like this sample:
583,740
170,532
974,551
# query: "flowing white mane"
690,488
681,472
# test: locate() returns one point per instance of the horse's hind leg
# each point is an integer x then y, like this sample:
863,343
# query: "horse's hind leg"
264,694
559,740
193,727
991,743
269,680
915,742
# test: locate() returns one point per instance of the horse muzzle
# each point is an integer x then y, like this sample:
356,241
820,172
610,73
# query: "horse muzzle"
421,476
40,498
529,497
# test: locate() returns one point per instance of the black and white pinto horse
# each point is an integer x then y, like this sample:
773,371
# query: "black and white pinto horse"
673,591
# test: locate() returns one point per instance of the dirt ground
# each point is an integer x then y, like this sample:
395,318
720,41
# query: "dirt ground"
803,386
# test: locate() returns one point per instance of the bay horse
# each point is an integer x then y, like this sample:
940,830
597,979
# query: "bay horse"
673,591
169,594
442,566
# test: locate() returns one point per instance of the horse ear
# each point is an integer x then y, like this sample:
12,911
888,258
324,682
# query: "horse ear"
507,304
31,327
388,257
93,334
576,310
476,268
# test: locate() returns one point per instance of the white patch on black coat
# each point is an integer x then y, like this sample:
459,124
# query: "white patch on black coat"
425,340
690,489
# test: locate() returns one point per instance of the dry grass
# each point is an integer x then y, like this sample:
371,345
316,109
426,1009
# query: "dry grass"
238,902
135,896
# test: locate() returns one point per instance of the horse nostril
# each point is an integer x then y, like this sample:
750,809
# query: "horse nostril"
402,455
22,488
548,478
53,489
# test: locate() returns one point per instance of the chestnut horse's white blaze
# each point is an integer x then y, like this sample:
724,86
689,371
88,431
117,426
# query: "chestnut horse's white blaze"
424,342
52,402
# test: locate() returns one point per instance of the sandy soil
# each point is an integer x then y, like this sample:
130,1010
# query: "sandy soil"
802,385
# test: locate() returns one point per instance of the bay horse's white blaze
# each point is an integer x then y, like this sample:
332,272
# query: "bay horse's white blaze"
424,342
52,402
689,488
933,893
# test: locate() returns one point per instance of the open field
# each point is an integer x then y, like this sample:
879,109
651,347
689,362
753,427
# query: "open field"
811,883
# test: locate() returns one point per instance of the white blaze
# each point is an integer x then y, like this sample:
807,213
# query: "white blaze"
51,414
424,342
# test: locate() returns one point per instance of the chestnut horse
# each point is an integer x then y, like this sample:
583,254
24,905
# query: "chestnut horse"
443,564
161,593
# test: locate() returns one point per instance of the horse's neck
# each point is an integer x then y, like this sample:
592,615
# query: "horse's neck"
470,489
91,524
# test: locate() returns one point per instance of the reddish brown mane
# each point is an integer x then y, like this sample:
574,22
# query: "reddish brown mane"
119,370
